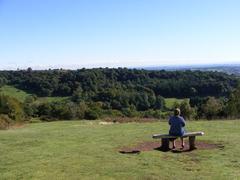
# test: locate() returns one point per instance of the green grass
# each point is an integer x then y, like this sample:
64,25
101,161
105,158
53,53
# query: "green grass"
14,92
171,101
51,99
87,150
21,95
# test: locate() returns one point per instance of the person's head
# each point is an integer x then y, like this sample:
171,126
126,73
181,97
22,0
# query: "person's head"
177,112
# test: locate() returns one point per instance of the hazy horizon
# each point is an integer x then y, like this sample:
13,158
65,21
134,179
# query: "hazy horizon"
75,67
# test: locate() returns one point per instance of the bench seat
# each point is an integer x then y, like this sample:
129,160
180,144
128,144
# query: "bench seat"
188,134
165,139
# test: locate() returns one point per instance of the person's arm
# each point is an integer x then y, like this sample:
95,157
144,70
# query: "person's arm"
169,121
183,122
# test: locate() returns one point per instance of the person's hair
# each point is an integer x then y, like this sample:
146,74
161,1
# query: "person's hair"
177,112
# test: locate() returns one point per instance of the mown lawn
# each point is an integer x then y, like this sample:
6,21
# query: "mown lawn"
88,150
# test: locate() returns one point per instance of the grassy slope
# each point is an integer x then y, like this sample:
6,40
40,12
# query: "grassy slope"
21,95
170,101
14,92
87,150
51,99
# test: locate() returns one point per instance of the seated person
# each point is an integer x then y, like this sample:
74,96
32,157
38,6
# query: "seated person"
177,124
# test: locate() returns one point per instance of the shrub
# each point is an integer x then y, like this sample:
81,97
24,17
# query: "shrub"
112,113
81,110
129,112
91,115
4,122
35,120
233,104
187,111
12,107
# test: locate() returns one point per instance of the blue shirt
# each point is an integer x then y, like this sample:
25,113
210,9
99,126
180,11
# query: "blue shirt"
176,125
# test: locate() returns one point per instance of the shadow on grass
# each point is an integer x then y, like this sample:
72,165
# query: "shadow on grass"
156,146
130,152
156,149
173,150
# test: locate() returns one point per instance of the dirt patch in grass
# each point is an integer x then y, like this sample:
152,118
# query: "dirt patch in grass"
7,123
129,120
105,123
16,125
153,145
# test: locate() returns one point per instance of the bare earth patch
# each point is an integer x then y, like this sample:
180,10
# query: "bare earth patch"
17,125
153,145
129,120
105,123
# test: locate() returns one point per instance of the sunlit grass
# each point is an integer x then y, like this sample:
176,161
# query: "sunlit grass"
14,92
171,101
51,99
88,150
21,95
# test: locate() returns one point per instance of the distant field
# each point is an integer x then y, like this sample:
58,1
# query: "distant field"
170,101
21,95
51,99
14,92
89,150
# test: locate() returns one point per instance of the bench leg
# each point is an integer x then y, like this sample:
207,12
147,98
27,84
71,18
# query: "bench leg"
165,144
192,142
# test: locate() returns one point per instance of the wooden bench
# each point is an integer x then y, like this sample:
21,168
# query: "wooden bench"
165,139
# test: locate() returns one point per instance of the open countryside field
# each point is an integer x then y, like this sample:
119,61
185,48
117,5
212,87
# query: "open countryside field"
14,92
90,150
170,102
21,95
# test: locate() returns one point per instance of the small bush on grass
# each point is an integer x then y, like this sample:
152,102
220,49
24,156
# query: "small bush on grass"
4,122
11,107
91,115
35,120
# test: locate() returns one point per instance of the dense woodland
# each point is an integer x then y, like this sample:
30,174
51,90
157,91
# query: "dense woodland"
95,81
95,93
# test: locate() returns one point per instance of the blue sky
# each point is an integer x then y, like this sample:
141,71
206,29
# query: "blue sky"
114,33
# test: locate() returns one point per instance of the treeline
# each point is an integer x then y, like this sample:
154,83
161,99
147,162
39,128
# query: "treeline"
18,111
196,108
104,92
93,82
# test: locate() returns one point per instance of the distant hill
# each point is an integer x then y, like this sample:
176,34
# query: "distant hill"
100,84
226,68
108,92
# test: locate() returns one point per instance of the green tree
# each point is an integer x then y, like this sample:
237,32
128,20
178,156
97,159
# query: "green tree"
187,111
12,107
233,104
3,81
212,108
91,115
44,109
82,109
77,95
160,103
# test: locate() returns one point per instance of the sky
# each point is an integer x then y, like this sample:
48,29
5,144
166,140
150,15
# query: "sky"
118,33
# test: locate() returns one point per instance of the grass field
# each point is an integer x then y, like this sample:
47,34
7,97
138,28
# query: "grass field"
51,99
21,95
14,92
171,101
88,150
